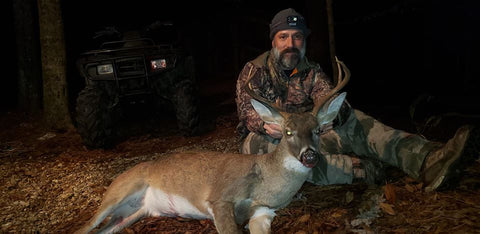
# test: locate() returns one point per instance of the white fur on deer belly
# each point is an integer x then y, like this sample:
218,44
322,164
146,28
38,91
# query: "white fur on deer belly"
292,164
159,203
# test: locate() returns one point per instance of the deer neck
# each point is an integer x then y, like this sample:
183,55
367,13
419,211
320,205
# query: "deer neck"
283,162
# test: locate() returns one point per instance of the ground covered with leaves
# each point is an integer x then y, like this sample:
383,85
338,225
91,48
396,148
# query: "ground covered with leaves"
51,183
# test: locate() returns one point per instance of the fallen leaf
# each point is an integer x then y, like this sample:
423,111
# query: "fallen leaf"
387,208
410,188
304,218
338,214
348,197
47,136
409,180
128,230
390,193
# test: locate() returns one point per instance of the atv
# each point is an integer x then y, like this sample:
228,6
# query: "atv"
133,70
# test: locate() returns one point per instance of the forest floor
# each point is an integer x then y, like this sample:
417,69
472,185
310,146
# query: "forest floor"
51,183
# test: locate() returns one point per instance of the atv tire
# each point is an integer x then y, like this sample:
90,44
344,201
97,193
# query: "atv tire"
96,115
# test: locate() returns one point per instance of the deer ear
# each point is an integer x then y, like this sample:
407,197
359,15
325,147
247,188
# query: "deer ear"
267,113
327,115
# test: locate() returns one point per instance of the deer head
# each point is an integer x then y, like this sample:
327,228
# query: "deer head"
301,131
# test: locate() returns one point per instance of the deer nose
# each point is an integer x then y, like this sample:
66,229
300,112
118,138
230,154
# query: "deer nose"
309,158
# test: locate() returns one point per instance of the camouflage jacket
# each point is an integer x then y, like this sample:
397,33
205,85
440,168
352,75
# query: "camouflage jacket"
295,93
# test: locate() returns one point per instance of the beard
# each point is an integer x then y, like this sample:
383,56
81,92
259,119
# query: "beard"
289,58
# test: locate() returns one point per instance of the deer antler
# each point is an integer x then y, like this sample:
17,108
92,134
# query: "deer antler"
341,82
276,105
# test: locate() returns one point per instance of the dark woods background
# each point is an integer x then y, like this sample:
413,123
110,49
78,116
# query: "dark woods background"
396,50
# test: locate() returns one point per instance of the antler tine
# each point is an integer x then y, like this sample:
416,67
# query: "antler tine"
341,82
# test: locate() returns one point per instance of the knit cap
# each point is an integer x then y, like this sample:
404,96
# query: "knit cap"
288,19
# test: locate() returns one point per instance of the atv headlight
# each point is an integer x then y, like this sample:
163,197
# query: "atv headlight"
158,64
105,69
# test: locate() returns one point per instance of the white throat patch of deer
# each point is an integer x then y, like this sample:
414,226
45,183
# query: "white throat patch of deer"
231,189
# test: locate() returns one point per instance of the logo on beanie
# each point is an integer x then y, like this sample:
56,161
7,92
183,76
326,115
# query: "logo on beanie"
292,20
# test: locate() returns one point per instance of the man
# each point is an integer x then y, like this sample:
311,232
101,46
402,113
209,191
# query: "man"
284,75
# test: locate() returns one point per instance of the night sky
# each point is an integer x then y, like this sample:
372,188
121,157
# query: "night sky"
396,50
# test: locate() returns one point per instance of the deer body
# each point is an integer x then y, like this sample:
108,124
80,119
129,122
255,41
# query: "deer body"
228,188
204,185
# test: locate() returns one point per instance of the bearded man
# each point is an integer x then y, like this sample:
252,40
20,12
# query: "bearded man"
284,76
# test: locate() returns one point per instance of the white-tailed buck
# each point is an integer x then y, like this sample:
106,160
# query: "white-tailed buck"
227,188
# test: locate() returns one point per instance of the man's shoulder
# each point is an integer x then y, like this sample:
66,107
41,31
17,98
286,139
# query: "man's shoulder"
260,61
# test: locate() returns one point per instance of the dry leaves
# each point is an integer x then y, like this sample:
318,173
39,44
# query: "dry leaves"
414,187
304,218
55,184
387,208
389,190
390,196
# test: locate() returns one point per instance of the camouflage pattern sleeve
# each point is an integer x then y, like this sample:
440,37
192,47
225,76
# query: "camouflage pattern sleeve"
245,111
321,85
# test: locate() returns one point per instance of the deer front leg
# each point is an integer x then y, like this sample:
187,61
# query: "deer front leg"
261,220
224,218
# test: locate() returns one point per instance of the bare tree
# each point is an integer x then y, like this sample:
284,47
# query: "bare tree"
320,40
28,56
53,56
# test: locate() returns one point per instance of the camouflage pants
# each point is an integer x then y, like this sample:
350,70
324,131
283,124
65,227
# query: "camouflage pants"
361,135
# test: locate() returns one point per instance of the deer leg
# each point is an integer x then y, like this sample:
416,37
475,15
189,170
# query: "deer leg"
126,213
116,208
118,222
224,218
95,221
261,220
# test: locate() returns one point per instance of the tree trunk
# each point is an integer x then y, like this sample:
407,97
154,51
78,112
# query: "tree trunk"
318,46
28,56
331,40
53,56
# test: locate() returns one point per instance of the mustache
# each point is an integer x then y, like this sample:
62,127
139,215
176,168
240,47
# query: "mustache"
290,50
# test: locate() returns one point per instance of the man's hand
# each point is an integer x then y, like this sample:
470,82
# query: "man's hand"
274,130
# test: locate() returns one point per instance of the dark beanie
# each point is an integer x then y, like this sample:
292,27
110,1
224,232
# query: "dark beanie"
288,19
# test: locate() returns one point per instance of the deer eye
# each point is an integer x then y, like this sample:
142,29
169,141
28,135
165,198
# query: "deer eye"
288,132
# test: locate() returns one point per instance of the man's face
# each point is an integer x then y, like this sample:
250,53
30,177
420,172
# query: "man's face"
289,48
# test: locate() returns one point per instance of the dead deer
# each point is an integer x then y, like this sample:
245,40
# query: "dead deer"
225,187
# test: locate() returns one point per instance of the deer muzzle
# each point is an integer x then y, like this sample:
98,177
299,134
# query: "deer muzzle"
309,158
